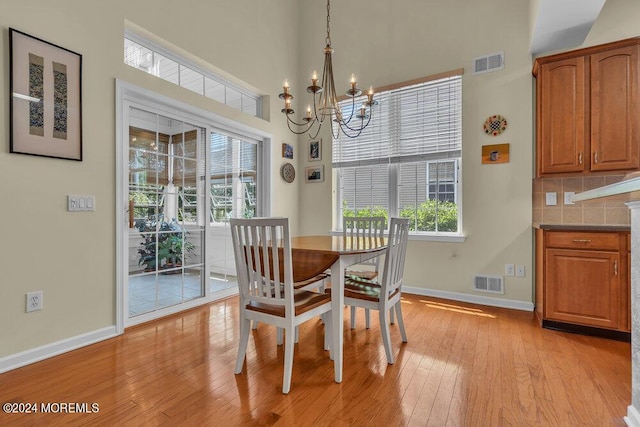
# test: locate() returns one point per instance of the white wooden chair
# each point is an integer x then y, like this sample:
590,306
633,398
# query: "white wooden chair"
262,252
385,294
359,227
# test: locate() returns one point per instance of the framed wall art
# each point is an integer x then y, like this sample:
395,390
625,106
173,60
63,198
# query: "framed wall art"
495,153
46,98
287,151
314,174
315,150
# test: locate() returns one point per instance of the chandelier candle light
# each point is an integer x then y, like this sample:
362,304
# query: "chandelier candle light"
325,101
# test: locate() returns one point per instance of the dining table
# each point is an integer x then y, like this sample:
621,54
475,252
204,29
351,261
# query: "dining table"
313,255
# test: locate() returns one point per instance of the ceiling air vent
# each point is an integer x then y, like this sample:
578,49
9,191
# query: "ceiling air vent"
485,64
492,284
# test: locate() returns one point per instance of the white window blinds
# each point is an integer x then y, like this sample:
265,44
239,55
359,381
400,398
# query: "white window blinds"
422,122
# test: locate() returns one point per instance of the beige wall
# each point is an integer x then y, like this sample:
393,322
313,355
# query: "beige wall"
71,256
395,41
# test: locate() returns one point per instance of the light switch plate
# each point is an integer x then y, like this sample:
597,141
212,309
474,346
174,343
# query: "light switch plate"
81,203
509,270
551,198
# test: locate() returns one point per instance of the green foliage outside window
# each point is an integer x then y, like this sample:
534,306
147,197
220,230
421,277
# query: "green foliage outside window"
425,217
430,211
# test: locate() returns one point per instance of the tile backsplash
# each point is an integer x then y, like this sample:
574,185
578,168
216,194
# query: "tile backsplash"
597,212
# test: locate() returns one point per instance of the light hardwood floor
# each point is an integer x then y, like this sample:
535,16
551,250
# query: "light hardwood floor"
464,365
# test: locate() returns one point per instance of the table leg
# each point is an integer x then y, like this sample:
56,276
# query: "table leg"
337,313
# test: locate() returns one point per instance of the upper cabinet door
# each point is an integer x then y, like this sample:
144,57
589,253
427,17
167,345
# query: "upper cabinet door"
614,109
561,109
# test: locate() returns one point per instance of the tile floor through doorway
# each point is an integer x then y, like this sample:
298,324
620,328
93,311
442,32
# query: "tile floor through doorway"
145,297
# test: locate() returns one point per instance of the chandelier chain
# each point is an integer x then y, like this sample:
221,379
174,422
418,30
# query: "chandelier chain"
328,39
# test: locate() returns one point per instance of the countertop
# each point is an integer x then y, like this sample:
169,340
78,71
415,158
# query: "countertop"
629,188
581,227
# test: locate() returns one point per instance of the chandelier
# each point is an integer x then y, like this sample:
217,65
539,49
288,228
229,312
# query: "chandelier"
325,101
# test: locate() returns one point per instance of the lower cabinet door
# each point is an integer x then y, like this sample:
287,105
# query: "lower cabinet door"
583,287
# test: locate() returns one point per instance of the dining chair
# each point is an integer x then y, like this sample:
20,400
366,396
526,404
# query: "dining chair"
364,227
385,294
262,252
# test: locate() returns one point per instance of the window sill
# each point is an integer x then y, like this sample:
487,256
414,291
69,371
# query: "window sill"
447,238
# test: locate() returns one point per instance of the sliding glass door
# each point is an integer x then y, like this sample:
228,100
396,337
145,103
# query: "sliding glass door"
166,212
233,194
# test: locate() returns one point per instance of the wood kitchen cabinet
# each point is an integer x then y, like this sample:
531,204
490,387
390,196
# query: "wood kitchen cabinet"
587,109
582,280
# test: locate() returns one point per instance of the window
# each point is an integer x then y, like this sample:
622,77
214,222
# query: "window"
407,161
144,55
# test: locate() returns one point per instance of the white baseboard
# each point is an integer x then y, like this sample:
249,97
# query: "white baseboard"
633,417
14,361
475,299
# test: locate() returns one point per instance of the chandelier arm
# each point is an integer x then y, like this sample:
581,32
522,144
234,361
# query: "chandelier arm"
363,125
306,123
353,108
345,128
315,135
307,126
317,118
346,131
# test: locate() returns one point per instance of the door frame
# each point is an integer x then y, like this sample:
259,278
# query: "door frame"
129,95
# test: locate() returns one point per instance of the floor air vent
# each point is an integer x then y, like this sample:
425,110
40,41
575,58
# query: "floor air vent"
487,63
492,284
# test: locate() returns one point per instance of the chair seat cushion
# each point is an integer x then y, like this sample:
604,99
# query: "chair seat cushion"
364,274
303,301
357,287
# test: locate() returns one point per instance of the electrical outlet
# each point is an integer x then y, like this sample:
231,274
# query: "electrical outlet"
551,198
509,270
567,197
519,270
34,301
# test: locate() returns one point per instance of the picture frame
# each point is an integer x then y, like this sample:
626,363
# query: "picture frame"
495,153
46,98
287,151
314,150
314,174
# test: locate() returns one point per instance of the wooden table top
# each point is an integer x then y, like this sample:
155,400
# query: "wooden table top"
338,245
313,255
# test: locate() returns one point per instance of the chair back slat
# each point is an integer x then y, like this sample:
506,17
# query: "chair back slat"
262,252
395,255
358,230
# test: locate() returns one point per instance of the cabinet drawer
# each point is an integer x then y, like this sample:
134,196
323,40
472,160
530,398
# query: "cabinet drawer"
582,240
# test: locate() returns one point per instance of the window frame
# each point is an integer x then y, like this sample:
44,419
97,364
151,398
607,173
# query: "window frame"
184,64
394,166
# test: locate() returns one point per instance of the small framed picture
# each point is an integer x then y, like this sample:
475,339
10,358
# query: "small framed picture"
495,153
46,99
315,150
314,174
287,151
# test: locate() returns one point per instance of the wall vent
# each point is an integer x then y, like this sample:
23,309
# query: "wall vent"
492,284
487,63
